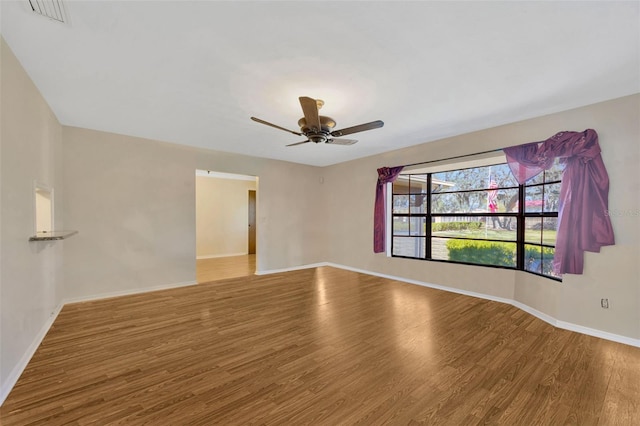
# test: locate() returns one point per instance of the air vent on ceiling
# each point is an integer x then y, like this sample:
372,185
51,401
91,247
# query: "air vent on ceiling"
52,9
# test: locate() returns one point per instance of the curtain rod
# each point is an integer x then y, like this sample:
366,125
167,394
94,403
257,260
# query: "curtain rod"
452,158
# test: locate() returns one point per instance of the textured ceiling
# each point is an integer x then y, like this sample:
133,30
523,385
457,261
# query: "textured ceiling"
194,72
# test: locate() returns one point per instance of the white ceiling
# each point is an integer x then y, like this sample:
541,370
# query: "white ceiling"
194,72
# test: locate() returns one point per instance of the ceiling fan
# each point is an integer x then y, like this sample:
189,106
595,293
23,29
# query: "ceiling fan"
319,128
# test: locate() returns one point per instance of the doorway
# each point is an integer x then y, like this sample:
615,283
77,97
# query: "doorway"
226,226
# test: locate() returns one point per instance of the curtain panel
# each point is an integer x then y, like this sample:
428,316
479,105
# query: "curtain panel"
385,175
583,222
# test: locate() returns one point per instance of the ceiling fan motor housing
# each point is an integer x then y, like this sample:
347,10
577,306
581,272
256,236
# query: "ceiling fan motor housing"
327,124
321,135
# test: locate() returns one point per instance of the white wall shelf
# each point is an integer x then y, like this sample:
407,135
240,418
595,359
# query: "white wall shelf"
52,236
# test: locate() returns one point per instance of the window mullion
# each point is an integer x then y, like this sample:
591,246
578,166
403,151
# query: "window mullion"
427,247
389,231
521,229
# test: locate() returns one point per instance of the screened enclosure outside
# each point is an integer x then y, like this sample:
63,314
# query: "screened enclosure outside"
478,215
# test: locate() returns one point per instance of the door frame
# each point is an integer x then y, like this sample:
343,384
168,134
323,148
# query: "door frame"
252,234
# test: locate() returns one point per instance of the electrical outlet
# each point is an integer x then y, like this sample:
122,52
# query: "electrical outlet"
604,303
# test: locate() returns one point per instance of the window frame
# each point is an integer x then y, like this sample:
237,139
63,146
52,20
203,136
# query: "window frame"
521,216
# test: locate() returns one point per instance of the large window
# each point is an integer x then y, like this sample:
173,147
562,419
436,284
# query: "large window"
477,215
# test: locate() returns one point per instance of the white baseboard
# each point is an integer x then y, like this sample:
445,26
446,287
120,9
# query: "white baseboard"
536,313
24,361
128,292
19,368
598,333
422,283
541,315
15,374
215,256
294,268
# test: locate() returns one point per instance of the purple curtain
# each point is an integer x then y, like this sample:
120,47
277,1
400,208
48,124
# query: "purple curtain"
385,175
583,223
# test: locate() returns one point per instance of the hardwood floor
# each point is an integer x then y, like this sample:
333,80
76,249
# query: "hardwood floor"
322,347
222,268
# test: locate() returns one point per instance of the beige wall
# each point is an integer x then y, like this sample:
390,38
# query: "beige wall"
133,201
612,274
222,221
30,272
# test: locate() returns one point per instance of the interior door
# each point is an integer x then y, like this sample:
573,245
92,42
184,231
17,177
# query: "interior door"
252,222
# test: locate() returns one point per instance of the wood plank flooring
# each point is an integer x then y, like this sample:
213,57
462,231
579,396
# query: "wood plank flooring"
222,268
322,347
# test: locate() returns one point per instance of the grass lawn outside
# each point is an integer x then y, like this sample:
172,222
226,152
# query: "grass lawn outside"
530,236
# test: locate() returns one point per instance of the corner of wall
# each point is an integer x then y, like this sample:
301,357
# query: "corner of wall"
30,272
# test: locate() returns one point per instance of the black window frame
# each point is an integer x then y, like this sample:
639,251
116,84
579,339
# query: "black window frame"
521,216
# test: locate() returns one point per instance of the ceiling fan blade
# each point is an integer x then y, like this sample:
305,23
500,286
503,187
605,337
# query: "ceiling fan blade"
359,128
257,120
310,110
299,143
341,141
